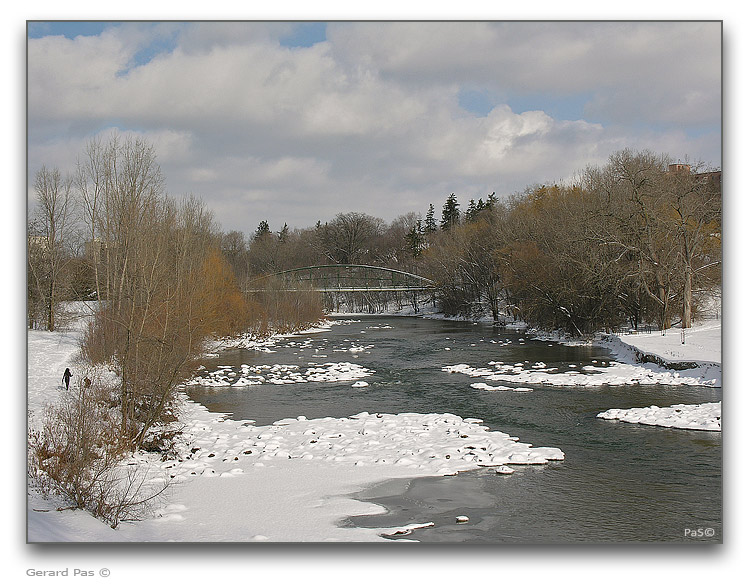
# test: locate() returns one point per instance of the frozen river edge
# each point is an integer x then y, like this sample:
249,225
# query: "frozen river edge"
240,471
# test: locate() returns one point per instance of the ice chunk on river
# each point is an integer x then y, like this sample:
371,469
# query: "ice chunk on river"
688,417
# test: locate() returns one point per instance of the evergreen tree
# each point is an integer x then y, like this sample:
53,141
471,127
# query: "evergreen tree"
284,233
415,239
430,226
451,213
263,230
472,210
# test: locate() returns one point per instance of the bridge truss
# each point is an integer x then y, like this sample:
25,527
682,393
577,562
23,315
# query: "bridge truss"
342,278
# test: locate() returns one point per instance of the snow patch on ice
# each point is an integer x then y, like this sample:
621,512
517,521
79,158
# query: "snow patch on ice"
280,374
614,374
429,444
689,417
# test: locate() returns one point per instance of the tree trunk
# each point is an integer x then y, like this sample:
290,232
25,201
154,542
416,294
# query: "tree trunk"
687,299
51,306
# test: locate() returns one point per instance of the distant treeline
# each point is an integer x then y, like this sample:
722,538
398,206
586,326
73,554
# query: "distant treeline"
635,241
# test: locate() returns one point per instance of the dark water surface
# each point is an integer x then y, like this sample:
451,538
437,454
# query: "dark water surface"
619,482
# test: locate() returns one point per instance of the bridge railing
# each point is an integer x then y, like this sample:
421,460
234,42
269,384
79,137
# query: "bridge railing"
345,278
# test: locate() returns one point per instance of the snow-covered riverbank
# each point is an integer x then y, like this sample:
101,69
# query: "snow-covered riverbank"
690,352
301,496
291,481
256,475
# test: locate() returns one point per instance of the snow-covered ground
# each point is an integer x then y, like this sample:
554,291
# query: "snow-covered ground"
288,482
698,349
293,480
280,374
699,344
265,496
590,375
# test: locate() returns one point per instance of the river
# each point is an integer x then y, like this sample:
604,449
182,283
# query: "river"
619,482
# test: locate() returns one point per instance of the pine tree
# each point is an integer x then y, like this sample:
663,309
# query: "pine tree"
472,210
415,239
429,221
451,213
263,230
284,233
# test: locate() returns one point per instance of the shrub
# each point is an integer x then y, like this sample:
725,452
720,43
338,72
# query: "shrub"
76,452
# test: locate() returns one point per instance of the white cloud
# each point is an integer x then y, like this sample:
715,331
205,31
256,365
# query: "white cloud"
653,63
369,120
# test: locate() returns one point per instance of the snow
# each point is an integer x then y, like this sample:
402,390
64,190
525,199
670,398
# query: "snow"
291,481
279,374
697,351
702,343
295,479
615,374
408,529
690,417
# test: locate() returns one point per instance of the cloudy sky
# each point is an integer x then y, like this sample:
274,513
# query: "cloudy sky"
295,122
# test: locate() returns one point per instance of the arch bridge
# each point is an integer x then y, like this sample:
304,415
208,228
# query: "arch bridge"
342,278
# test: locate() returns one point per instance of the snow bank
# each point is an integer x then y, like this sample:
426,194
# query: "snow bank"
700,344
289,481
429,444
251,341
690,417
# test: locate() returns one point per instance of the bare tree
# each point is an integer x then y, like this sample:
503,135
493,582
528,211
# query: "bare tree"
350,238
695,214
50,240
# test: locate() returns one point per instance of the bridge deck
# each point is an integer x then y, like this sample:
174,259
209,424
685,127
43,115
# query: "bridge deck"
345,278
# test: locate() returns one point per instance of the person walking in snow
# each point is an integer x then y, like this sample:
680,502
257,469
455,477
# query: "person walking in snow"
66,378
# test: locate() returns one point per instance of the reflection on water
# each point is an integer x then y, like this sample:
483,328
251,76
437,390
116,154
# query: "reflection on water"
619,481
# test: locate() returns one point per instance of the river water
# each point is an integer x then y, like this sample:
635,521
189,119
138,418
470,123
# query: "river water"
619,482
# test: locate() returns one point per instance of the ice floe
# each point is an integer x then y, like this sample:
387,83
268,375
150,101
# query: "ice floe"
428,444
689,417
279,374
597,373
408,529
487,387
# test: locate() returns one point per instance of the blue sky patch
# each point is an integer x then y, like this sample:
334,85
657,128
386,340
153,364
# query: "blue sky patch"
305,34
560,107
476,102
68,29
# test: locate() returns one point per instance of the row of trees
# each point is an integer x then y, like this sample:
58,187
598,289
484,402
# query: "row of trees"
158,286
157,281
153,268
637,240
348,238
